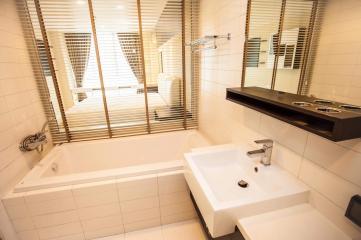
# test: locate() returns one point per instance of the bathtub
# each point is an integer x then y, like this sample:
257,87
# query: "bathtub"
99,160
99,188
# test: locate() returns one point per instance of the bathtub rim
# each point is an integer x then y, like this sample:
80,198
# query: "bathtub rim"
34,181
99,176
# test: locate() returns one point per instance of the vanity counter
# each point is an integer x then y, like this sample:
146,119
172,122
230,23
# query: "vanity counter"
299,222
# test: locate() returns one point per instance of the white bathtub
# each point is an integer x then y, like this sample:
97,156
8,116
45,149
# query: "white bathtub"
99,160
105,187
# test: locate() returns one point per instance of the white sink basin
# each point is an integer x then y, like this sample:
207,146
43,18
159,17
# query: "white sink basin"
213,176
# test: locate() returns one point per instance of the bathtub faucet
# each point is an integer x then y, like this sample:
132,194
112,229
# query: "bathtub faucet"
34,141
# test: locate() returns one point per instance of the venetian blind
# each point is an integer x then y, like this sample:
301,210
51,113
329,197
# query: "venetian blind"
114,68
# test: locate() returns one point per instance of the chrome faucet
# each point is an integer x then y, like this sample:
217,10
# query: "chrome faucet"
265,152
34,141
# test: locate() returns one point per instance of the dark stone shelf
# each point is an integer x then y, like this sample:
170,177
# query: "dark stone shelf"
342,125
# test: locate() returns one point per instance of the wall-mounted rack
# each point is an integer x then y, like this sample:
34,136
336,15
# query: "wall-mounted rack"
206,40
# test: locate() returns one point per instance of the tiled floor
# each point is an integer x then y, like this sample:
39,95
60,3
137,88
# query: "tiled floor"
189,230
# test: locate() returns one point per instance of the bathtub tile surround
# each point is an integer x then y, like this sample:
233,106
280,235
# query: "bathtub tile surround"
140,204
98,211
139,188
54,219
95,194
104,226
189,230
67,229
87,198
92,210
331,170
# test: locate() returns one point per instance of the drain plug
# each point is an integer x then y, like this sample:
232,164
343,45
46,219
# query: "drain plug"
243,184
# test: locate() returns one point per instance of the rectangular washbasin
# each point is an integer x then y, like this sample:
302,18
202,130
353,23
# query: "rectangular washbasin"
214,177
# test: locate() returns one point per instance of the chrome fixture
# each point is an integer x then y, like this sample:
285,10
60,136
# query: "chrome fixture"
206,40
302,104
322,101
350,107
265,152
328,110
34,141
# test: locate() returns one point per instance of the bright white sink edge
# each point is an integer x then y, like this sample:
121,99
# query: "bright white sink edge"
212,175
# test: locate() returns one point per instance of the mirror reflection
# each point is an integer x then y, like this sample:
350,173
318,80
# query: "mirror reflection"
277,44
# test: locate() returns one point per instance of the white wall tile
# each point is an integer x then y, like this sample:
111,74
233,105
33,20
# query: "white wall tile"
96,199
13,199
286,158
17,211
177,208
328,184
147,234
104,232
141,215
172,182
354,144
190,230
55,219
139,187
286,134
11,174
56,213
47,195
52,206
334,214
94,188
3,106
8,155
99,211
72,237
139,204
16,84
100,223
28,235
149,223
179,217
342,161
7,228
60,230
174,198
95,194
23,224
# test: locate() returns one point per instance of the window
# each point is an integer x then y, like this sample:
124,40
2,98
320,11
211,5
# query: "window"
101,67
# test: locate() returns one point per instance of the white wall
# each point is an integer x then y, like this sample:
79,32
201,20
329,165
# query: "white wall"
338,63
331,170
286,79
20,109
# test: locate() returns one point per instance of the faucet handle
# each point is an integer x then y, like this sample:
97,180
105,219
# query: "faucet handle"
265,142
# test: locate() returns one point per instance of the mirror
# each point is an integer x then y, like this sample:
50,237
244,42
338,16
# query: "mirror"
277,44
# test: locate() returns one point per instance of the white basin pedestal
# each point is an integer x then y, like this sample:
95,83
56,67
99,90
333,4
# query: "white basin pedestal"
213,177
